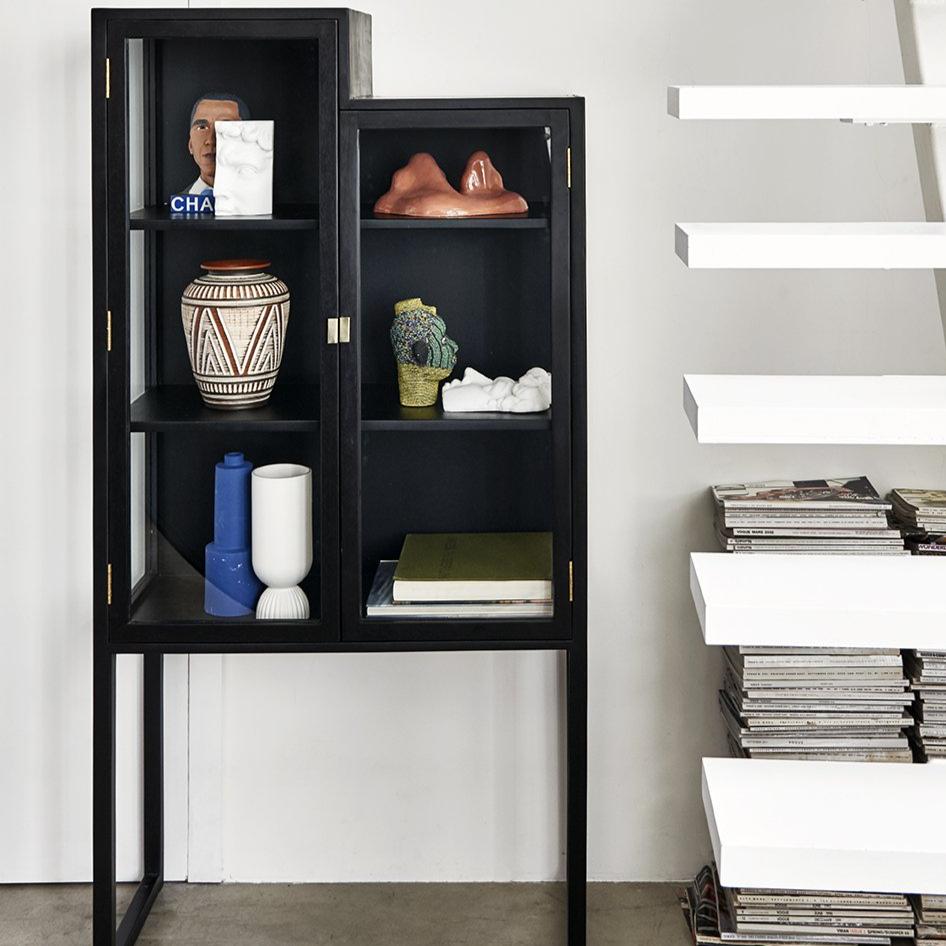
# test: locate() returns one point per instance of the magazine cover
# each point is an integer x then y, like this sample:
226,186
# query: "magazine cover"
701,908
730,931
850,492
928,544
921,500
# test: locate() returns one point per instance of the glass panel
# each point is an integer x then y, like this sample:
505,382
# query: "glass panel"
193,82
136,113
136,333
136,312
223,360
139,512
487,468
205,554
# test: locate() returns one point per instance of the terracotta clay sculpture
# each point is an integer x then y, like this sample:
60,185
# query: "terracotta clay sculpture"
421,189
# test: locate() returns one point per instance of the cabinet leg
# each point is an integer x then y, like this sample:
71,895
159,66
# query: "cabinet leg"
104,931
576,831
103,798
153,803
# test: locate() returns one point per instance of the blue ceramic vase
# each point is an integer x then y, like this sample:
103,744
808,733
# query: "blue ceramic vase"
230,586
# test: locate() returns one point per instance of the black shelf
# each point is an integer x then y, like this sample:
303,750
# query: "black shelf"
381,410
179,406
537,218
179,600
284,217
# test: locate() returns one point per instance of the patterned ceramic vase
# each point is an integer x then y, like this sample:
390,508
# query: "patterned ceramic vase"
235,319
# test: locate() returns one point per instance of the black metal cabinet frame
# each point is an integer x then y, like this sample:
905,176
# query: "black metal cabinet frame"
339,417
352,206
322,32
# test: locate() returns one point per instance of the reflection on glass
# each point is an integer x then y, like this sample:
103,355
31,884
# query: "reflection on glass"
463,465
139,523
200,542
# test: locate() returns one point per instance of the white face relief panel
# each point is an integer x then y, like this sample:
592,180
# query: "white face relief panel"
243,184
476,392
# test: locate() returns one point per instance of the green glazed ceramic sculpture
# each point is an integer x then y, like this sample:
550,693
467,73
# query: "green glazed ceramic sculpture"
425,354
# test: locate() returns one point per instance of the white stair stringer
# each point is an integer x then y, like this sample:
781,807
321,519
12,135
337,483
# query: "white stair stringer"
921,25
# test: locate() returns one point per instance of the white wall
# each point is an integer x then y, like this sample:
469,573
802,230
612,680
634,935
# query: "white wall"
46,476
468,788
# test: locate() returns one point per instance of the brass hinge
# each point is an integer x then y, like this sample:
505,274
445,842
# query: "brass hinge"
568,167
108,585
344,329
571,580
108,78
108,330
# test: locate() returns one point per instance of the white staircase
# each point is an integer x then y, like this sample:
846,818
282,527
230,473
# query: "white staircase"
827,825
905,410
920,245
820,600
862,104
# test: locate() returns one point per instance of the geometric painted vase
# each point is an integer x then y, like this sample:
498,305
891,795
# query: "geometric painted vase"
235,318
231,588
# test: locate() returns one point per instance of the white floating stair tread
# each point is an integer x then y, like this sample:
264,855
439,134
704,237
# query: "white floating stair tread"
817,409
820,600
827,825
857,103
898,245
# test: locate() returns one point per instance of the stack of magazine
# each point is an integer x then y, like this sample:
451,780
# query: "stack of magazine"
843,516
927,671
846,704
466,575
921,514
930,919
717,914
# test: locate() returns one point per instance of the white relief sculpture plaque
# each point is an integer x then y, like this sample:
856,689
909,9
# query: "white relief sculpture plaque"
243,184
476,392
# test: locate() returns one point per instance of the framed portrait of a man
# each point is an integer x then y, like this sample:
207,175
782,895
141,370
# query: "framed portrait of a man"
207,110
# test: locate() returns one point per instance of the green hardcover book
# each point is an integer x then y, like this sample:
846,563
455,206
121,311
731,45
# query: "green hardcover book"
475,566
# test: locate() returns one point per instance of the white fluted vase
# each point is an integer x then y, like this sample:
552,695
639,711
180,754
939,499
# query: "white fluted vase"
282,538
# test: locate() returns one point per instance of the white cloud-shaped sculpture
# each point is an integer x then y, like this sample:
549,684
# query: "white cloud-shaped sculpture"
243,182
475,392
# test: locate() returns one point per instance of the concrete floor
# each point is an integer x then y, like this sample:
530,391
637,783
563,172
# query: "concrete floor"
354,915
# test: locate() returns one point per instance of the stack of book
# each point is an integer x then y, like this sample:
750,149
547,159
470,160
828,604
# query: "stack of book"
921,515
466,575
717,914
827,517
930,913
809,703
927,672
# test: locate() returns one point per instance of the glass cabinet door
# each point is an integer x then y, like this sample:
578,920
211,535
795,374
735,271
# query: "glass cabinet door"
492,289
221,383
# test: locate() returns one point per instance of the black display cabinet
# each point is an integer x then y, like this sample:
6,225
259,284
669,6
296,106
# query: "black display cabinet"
512,290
